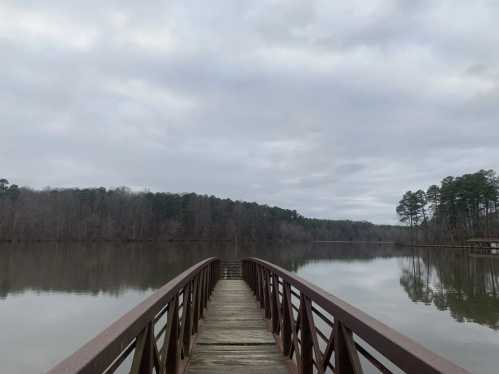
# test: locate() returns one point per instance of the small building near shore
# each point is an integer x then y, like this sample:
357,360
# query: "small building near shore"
490,245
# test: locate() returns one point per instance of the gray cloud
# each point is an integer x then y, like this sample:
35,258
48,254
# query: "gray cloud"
330,108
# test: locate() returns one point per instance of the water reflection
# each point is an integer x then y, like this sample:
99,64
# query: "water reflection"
111,268
449,279
55,296
93,268
455,281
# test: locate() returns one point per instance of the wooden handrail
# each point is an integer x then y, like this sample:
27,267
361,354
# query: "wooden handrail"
293,305
182,300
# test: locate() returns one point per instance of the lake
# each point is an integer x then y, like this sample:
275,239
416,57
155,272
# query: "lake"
56,296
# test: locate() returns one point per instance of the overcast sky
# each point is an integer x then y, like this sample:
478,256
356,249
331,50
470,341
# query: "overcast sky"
333,108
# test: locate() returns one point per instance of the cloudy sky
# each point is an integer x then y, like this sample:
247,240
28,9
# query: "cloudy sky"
333,108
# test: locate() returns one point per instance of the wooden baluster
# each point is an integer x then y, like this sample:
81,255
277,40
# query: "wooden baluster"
217,275
345,354
207,288
209,284
328,352
253,275
200,291
307,363
267,295
264,291
187,321
259,294
170,352
313,332
253,271
155,353
202,287
295,327
276,315
286,319
264,288
246,275
249,275
143,360
195,306
214,277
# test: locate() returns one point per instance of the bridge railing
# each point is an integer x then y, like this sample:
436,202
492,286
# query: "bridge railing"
323,334
158,332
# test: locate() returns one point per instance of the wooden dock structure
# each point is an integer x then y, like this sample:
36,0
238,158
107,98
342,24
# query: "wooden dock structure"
248,316
234,337
484,247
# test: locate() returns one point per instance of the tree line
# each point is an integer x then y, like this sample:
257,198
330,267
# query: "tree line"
92,214
457,209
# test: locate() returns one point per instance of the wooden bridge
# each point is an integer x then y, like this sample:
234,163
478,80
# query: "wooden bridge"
248,317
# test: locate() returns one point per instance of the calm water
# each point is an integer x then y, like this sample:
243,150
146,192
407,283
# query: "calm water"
54,297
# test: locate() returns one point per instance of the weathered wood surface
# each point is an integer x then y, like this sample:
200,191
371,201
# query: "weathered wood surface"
234,337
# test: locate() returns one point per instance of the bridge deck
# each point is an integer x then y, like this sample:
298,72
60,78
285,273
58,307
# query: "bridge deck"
234,336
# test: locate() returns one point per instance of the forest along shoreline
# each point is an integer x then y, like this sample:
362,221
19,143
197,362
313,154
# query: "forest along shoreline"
100,214
458,209
444,215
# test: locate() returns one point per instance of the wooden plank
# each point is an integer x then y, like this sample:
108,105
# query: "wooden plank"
252,369
236,337
233,337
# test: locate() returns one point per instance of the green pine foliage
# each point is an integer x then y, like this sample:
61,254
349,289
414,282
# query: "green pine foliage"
460,208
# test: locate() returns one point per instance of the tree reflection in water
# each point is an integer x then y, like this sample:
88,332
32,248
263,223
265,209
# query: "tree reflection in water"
453,280
449,279
90,268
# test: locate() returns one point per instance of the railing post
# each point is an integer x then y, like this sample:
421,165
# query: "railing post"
219,269
170,348
247,273
212,279
267,295
202,291
187,320
208,284
286,318
253,273
143,357
259,295
206,287
307,363
214,276
195,303
260,286
201,294
346,357
264,288
275,304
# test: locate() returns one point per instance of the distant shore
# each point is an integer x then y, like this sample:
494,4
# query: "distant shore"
391,243
352,242
398,244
